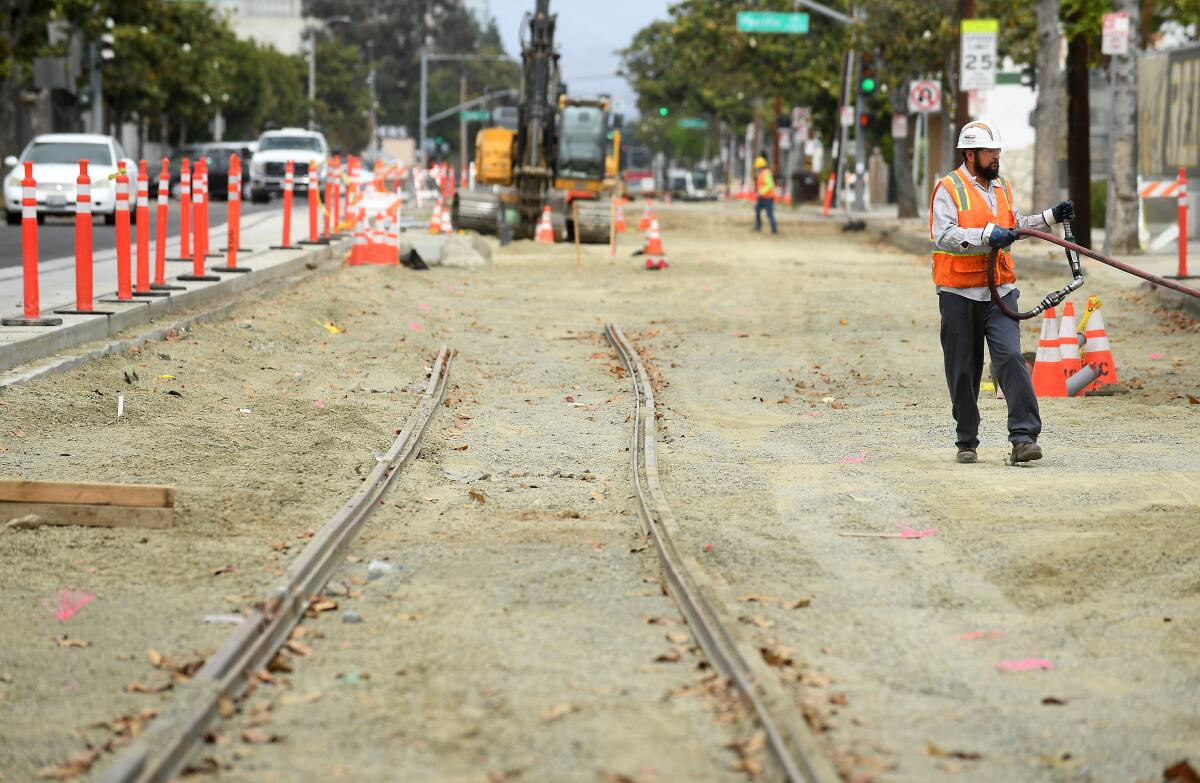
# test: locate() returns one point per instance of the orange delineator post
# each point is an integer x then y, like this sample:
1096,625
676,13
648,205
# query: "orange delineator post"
159,283
185,211
199,225
83,246
828,196
288,186
124,274
204,212
1183,210
334,202
314,207
31,305
330,174
142,287
233,237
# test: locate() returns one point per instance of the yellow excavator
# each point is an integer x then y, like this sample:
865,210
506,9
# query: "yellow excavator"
561,154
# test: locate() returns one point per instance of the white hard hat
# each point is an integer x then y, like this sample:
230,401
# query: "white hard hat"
980,135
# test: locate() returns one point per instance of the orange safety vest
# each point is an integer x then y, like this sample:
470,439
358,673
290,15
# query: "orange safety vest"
969,270
765,184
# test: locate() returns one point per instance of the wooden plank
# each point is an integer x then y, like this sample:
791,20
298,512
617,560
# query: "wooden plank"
87,514
96,494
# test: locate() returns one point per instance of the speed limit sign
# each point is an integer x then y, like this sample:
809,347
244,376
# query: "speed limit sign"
924,96
977,55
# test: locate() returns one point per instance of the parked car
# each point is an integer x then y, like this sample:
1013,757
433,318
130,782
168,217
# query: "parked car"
55,158
275,149
640,184
216,157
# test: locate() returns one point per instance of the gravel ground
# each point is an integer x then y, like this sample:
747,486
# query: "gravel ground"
509,636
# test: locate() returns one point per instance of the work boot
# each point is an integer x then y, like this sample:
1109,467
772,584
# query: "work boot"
966,456
1025,452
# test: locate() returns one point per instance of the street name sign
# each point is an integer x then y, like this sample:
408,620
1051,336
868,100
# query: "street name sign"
977,54
693,123
772,22
1114,31
476,115
924,96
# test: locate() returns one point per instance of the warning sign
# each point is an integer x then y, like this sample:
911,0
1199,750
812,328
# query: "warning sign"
924,96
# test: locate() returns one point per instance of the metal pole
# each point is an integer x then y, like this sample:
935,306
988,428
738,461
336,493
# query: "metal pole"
860,153
374,145
844,133
97,94
312,81
424,104
462,128
1110,182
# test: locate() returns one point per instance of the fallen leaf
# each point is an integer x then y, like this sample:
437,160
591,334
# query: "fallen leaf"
758,620
558,711
65,642
675,637
1053,702
138,687
668,657
166,377
20,433
408,616
1025,664
290,699
477,496
934,750
740,334
799,603
258,737
225,569
1193,400
332,328
462,447
598,496
756,598
225,707
778,656
1182,772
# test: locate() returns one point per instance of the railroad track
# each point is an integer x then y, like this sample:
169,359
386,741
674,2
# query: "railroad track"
161,751
799,759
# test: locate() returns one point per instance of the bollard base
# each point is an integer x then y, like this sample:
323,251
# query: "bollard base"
285,247
69,311
231,269
31,321
181,260
317,242
200,278
167,287
240,250
1181,277
130,300
151,293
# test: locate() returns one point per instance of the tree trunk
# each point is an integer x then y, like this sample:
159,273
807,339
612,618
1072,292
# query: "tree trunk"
962,113
1048,114
1079,159
906,192
1122,181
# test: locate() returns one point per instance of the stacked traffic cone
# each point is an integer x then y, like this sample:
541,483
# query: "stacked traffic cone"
619,222
447,227
656,257
1048,378
359,250
1096,349
545,228
435,220
1068,343
647,216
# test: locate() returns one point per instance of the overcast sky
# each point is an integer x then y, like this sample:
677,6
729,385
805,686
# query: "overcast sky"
588,33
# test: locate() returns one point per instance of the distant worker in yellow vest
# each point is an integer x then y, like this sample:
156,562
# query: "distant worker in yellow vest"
764,188
971,211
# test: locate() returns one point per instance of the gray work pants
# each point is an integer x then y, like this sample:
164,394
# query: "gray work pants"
966,325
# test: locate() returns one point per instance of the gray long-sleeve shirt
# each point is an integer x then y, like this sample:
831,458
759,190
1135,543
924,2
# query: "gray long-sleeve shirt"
949,236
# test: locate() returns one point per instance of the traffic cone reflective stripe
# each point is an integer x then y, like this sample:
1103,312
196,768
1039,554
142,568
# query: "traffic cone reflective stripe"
435,220
545,228
1096,348
619,222
1048,378
654,245
647,215
447,228
1068,342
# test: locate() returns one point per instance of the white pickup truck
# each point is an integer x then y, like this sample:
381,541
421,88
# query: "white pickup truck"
275,149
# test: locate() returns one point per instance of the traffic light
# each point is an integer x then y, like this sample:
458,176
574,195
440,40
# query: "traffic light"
864,120
867,84
663,111
106,47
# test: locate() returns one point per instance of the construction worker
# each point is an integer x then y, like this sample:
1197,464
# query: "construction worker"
971,212
764,188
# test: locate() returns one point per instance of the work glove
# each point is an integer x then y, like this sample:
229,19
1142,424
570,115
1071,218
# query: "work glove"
1002,237
1064,210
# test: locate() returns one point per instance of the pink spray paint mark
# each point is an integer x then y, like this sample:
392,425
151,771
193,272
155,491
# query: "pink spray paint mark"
69,603
912,532
1024,665
416,327
854,459
989,634
1156,356
423,306
736,333
738,311
814,414
319,404
708,289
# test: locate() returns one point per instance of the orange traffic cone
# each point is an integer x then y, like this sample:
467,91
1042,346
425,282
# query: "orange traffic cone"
435,220
545,228
1096,350
647,215
654,245
619,223
1048,378
1068,341
359,250
447,228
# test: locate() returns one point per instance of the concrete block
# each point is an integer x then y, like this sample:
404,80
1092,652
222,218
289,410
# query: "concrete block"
125,315
21,344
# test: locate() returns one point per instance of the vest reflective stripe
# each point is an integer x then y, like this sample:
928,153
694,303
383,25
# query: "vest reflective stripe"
961,197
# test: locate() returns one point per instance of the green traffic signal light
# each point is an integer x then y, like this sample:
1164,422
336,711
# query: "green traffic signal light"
867,85
663,111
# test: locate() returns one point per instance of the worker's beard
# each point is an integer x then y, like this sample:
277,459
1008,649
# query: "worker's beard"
991,172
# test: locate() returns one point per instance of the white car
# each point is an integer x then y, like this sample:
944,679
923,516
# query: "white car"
55,158
275,149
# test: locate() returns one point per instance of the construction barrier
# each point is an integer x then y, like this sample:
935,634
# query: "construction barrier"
31,305
1169,188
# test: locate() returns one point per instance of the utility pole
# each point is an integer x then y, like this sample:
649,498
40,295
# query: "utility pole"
312,80
962,106
97,92
426,58
1079,158
374,146
462,127
1048,114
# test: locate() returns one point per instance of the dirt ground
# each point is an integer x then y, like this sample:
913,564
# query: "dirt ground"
512,627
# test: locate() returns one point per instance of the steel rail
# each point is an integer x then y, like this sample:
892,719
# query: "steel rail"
704,622
160,752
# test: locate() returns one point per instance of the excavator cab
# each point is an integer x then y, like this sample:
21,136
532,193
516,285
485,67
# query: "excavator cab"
582,143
